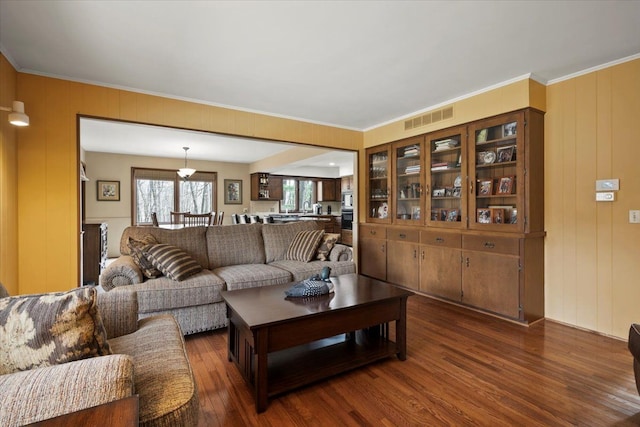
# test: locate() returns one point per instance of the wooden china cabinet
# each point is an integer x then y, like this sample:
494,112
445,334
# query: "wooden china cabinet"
466,220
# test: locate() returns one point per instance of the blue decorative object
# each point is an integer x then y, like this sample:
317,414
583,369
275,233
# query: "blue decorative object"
308,288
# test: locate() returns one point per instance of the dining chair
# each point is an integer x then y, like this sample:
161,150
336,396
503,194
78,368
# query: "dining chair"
154,219
244,219
254,219
235,218
220,218
177,217
194,220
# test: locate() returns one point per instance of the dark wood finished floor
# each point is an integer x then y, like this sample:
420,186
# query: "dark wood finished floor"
462,368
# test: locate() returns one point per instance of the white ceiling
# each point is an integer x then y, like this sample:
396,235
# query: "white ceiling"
353,64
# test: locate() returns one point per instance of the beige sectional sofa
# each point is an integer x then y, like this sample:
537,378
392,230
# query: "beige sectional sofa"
232,257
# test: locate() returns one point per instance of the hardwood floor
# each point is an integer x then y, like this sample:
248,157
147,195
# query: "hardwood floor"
462,368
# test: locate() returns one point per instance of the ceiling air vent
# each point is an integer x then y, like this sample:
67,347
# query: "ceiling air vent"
428,118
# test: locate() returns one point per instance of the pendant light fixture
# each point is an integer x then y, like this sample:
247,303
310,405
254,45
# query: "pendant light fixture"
185,172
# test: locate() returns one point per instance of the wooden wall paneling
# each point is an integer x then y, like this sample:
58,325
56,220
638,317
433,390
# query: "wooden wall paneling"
568,209
586,220
604,252
8,183
625,111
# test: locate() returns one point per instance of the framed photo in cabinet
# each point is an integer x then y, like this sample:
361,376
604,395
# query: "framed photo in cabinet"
434,214
483,216
509,129
505,185
497,216
452,215
457,192
505,154
485,187
482,135
442,215
514,216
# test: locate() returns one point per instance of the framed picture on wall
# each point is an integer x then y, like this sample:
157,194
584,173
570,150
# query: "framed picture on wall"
108,191
232,191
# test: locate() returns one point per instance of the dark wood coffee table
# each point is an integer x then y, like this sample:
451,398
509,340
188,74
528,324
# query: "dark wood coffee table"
280,344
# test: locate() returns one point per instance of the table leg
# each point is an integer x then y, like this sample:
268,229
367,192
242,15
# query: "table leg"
260,338
401,330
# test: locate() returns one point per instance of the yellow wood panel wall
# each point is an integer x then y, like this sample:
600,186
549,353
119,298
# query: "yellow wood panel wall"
592,268
47,158
8,189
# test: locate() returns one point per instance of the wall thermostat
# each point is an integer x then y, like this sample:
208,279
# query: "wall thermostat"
608,185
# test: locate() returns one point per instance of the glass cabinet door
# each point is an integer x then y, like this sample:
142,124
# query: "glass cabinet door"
447,178
498,185
408,181
378,169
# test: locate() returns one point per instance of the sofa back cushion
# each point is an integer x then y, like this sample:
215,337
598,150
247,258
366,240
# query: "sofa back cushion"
234,245
192,240
278,237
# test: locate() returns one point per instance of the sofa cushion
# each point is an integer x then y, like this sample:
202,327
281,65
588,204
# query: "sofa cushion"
277,237
252,275
326,244
303,270
172,261
163,293
190,239
235,244
50,329
137,248
163,377
304,245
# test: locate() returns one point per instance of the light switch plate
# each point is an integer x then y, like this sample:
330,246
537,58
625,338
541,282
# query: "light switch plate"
608,196
608,185
634,217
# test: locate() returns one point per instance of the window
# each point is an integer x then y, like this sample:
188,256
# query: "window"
297,194
163,191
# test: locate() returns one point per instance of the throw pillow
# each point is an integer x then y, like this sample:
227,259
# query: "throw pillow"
303,246
50,329
172,261
137,248
326,244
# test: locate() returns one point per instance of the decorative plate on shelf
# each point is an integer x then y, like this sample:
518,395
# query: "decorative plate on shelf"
489,157
458,181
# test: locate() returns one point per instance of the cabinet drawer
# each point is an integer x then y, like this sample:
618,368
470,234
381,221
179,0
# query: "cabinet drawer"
373,231
503,245
403,235
437,238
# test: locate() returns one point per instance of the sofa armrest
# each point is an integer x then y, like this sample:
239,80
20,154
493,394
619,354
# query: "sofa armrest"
43,393
123,271
119,312
341,253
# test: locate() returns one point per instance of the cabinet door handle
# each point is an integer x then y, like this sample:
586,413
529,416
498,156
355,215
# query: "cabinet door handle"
402,236
382,248
422,255
470,187
415,254
426,189
489,245
439,240
373,232
467,261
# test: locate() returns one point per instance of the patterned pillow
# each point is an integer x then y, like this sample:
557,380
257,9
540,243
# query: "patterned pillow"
137,248
303,246
328,242
172,261
50,329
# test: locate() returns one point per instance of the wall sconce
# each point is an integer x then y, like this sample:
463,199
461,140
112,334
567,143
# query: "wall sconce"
17,117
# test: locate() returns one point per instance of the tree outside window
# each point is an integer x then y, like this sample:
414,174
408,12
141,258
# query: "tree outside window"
163,191
297,195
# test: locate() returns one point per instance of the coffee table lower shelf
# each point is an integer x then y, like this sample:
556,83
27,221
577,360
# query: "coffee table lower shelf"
305,364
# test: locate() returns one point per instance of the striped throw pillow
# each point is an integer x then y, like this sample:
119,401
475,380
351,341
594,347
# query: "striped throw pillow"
172,261
303,246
